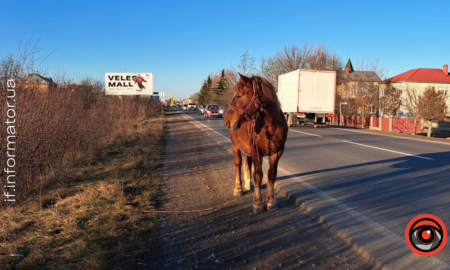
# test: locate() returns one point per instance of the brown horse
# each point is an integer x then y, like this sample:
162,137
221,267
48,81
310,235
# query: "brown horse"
257,129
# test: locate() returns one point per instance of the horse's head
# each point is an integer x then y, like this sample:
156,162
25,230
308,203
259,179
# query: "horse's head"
242,97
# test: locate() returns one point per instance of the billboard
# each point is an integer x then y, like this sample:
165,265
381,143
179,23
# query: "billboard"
129,83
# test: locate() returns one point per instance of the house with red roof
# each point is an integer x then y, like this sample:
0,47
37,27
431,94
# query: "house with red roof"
422,78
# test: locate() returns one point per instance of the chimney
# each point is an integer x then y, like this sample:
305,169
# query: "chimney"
445,69
347,70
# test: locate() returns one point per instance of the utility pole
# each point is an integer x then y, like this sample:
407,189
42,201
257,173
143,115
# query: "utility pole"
340,111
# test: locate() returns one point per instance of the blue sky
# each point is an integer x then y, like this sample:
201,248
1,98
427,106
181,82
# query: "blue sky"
182,42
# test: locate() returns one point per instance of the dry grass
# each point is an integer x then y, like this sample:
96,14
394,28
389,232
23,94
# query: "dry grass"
81,220
60,129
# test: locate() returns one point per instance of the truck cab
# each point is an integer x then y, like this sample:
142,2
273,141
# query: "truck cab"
192,106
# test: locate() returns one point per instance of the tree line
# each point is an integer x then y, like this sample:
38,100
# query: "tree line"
219,87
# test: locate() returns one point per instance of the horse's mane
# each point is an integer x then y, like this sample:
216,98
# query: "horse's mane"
266,91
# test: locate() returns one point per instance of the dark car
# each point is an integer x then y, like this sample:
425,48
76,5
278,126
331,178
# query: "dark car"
213,110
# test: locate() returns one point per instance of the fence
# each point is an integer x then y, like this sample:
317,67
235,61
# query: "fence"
386,124
376,122
406,125
351,121
379,123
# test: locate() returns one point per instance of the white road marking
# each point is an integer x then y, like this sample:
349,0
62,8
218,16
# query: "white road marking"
207,127
406,154
398,137
304,133
398,240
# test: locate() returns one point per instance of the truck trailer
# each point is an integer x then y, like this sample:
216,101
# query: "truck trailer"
307,96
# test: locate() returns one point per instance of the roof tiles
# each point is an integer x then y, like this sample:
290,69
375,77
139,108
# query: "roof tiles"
426,75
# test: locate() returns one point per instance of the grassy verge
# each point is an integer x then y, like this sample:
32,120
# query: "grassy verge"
81,219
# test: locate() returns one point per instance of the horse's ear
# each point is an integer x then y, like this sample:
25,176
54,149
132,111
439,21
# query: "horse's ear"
245,79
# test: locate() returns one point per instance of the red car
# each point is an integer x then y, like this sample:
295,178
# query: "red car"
213,110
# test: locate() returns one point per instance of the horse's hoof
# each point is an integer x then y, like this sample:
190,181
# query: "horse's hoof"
272,206
237,192
248,188
258,208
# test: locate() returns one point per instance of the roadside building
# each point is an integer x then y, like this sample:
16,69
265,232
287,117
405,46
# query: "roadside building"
359,88
420,79
37,82
349,78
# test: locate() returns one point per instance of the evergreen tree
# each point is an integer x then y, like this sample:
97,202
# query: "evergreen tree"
223,79
221,84
220,88
209,81
204,93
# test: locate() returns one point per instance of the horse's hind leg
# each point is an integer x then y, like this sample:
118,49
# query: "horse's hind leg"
248,174
258,206
272,175
237,163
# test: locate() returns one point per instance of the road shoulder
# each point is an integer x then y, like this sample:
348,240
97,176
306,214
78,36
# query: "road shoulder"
200,174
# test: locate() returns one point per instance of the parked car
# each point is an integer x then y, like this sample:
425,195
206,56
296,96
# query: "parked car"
213,110
178,105
192,107
201,110
185,107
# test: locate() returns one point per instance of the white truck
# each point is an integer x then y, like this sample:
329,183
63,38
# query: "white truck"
192,106
307,96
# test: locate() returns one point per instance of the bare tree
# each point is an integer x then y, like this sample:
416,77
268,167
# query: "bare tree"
432,107
194,97
247,65
321,59
411,102
294,57
390,100
372,64
287,60
364,97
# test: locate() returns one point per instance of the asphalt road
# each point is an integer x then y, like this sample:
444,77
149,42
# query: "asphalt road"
365,185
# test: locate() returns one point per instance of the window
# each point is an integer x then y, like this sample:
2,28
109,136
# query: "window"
442,89
400,89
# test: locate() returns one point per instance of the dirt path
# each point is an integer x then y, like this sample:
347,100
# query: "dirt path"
200,174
